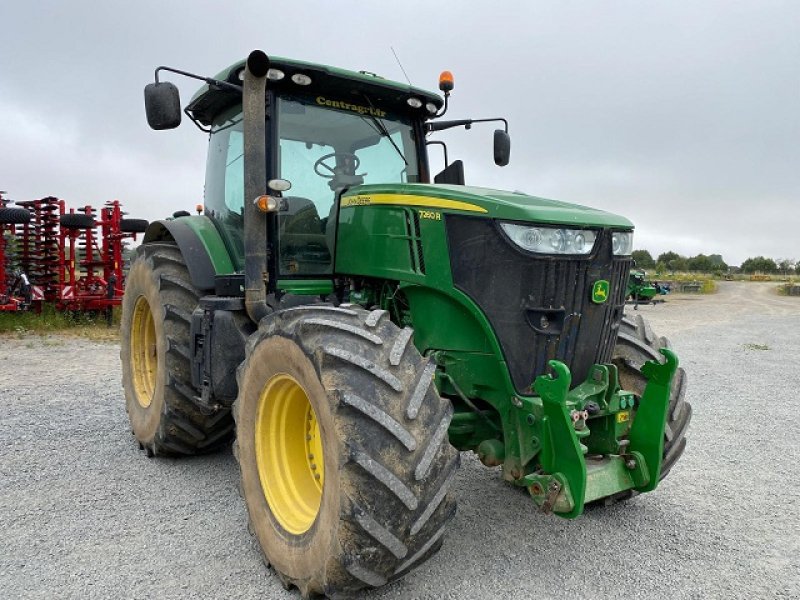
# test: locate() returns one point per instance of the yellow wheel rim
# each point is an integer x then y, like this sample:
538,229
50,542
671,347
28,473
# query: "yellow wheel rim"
144,354
289,453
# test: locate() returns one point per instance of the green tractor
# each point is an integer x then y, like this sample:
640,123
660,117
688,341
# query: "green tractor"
643,291
355,322
640,291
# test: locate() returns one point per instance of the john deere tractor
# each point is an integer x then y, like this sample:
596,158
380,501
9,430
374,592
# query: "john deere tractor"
640,290
355,322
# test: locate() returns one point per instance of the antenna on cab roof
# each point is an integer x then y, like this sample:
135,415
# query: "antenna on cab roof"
401,64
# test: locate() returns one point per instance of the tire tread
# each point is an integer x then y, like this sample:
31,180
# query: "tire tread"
399,517
186,427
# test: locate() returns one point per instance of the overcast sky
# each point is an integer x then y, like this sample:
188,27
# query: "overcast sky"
683,116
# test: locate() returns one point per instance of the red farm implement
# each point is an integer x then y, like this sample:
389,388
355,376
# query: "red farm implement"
15,288
73,260
37,242
90,266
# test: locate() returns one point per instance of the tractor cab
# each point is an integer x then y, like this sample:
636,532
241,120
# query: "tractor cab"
328,130
321,151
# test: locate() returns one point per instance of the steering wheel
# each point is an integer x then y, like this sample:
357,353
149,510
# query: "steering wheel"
320,163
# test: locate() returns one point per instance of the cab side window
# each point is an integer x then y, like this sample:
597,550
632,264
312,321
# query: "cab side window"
224,191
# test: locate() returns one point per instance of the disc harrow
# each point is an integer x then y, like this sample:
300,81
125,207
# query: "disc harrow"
40,245
72,259
15,288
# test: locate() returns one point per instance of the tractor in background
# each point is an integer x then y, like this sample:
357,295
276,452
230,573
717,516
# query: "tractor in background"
643,291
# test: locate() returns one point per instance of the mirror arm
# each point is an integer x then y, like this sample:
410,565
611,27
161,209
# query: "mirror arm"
195,121
467,123
501,119
208,80
444,149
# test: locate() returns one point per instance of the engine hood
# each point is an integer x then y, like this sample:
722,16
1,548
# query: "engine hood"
497,204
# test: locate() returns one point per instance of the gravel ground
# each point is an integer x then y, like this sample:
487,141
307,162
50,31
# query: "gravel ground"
85,514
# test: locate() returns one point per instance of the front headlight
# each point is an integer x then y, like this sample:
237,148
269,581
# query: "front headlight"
550,240
622,243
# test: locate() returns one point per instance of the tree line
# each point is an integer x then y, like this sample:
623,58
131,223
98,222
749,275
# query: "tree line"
712,263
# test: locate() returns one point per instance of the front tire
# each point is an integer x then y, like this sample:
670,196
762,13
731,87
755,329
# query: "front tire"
154,347
343,450
637,344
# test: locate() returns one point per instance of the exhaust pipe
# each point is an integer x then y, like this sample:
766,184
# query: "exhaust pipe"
256,272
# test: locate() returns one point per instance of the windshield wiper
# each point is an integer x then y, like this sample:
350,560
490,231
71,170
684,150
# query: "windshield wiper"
381,129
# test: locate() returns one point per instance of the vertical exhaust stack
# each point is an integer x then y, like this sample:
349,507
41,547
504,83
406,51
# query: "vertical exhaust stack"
255,185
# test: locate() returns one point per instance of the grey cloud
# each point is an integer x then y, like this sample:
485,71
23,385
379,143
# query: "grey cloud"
680,115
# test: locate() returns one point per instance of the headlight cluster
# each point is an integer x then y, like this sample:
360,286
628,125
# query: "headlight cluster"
561,240
550,240
622,243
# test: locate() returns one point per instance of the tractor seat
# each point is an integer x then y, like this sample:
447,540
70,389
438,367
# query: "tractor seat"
300,216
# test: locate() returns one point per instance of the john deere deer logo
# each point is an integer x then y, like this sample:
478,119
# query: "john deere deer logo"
600,291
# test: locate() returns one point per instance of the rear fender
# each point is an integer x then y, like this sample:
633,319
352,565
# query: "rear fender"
200,244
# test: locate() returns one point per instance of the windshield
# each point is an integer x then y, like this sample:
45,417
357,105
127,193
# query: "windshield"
324,147
327,146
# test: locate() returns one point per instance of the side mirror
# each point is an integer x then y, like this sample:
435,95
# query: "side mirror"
502,147
162,103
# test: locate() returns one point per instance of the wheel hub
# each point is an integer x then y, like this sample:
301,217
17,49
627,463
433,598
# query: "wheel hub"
289,455
144,353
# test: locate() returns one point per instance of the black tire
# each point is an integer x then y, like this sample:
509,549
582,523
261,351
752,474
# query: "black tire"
77,221
388,465
168,421
16,216
133,225
637,344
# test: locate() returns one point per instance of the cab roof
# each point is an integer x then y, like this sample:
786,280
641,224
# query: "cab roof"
333,82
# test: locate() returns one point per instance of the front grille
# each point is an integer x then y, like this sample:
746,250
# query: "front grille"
540,307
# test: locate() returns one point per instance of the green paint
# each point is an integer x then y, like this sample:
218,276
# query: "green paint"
306,287
647,432
212,243
562,455
512,206
602,467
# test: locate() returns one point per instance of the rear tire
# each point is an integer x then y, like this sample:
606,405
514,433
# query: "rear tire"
383,502
154,337
637,344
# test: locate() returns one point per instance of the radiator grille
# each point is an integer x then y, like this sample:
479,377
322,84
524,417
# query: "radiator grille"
540,307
